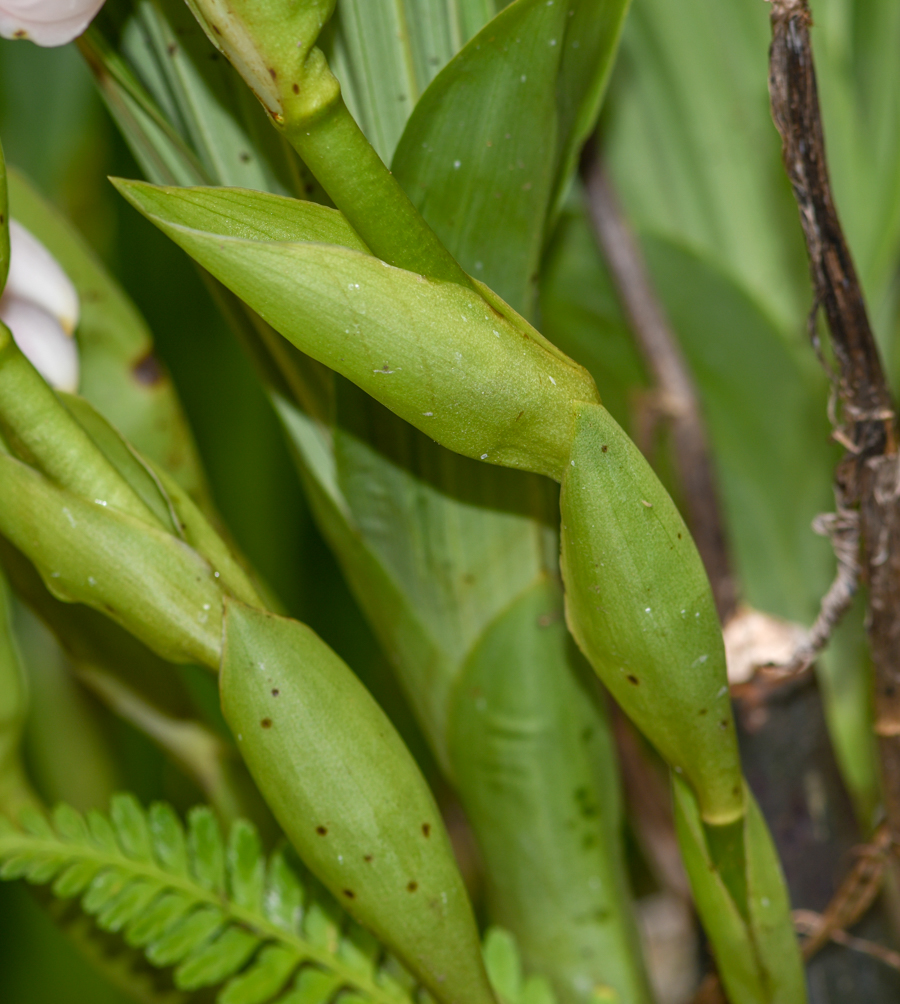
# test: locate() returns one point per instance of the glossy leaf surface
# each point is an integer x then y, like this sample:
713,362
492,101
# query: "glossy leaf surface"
487,183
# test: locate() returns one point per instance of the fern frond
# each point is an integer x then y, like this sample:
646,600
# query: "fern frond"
220,913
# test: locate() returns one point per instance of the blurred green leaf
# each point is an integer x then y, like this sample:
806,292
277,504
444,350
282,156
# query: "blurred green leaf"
527,741
693,152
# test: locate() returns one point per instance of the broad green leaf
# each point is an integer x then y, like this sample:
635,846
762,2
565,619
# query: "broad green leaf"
473,540
487,182
429,350
759,963
764,402
526,738
349,796
692,150
120,376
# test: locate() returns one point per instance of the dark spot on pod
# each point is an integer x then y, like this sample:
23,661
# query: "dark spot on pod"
586,734
702,711
21,33
521,413
216,30
147,370
276,692
321,830
171,48
272,72
604,448
633,679
723,724
367,858
426,829
679,536
349,893
295,88
412,886
266,723
736,790
589,840
244,157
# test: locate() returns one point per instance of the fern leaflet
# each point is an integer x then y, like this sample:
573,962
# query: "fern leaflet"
219,913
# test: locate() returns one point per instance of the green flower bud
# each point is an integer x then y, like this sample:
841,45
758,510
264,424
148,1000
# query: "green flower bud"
639,604
349,796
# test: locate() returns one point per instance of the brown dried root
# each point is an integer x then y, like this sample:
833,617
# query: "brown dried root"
853,898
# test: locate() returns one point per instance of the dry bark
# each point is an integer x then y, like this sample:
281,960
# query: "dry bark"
867,479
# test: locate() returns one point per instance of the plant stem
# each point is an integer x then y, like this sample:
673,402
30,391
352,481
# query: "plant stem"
337,152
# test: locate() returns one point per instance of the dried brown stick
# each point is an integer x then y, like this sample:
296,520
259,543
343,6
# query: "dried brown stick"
674,385
809,920
854,896
867,479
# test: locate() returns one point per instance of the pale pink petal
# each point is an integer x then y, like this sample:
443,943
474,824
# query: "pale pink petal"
36,276
46,22
42,340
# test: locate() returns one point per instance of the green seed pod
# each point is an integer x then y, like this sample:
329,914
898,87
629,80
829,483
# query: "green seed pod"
639,604
350,797
151,583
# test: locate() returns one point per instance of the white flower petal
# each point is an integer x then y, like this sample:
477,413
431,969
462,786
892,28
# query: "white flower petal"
36,276
46,22
49,349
